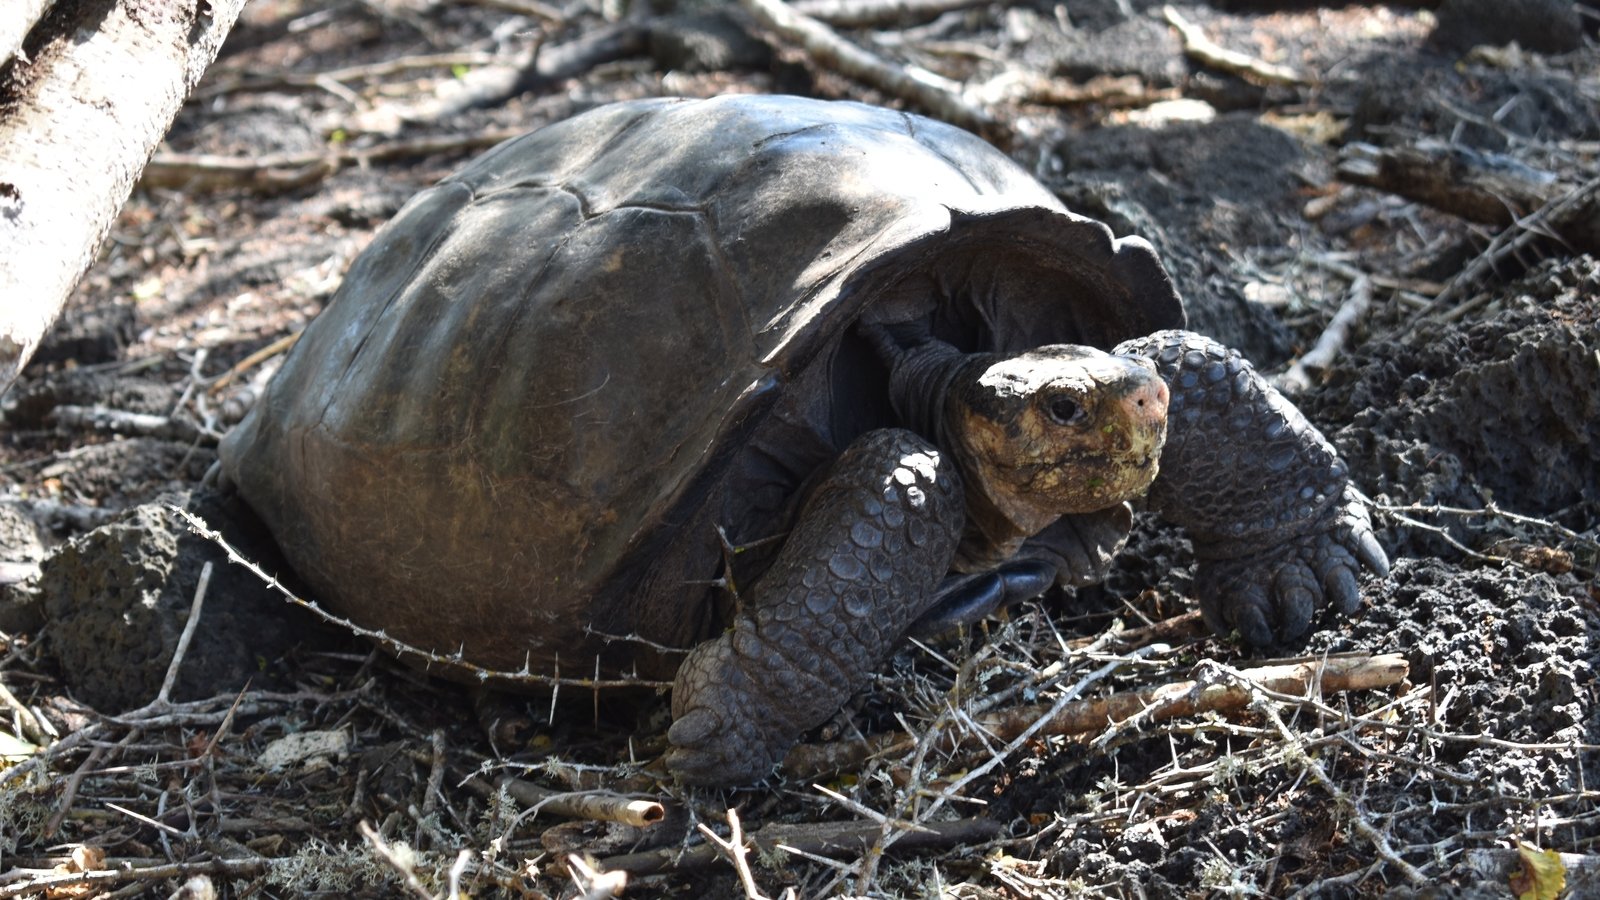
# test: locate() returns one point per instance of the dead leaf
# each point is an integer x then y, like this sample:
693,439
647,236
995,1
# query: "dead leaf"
1542,876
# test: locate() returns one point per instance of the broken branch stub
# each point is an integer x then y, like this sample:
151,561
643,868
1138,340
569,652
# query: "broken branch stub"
81,125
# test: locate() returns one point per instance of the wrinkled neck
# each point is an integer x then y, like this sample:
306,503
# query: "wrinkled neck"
922,371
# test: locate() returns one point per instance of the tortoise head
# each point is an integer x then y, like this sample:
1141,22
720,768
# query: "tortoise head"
1056,430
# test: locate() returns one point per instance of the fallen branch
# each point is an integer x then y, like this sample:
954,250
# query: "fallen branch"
55,517
281,345
1476,185
28,723
1573,217
597,806
531,8
285,171
1185,698
220,84
455,662
1119,91
1244,683
820,839
50,883
935,94
1297,378
736,851
117,421
1178,629
537,70
1210,53
867,13
16,573
86,115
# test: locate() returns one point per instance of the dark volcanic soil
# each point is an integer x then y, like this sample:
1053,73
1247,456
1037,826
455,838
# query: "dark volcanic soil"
1473,426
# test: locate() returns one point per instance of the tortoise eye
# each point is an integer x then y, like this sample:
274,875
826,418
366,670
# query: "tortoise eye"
1065,410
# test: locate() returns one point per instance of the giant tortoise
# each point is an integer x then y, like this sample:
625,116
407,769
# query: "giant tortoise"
779,380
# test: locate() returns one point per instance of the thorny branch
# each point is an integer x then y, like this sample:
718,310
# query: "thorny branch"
398,647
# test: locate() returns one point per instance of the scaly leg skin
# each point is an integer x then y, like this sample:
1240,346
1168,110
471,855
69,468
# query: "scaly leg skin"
862,563
1276,525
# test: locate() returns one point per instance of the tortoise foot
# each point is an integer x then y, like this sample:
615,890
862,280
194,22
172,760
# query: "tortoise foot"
861,564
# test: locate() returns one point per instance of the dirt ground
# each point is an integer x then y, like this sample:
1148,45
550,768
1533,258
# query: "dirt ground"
289,758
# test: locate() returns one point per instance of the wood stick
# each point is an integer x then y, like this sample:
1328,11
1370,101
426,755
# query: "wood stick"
88,113
935,94
281,345
235,81
284,171
118,421
1187,698
1178,629
1184,698
1575,216
47,883
1210,53
867,13
819,838
599,806
164,695
1474,184
1297,377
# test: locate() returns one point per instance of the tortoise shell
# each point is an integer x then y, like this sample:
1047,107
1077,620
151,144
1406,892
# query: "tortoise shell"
515,430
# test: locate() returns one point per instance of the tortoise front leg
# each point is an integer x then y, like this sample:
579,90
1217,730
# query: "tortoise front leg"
1276,525
862,563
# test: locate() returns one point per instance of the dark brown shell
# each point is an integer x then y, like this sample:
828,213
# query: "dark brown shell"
541,372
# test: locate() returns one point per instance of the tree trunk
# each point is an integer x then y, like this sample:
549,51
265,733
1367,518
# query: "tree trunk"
15,25
86,114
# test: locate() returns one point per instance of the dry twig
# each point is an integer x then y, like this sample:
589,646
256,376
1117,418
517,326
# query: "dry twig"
1476,185
598,806
394,860
1248,685
594,883
397,647
1297,377
235,82
281,345
117,421
1575,213
163,696
1020,86
935,94
1134,708
734,848
286,171
50,883
819,838
867,13
1210,53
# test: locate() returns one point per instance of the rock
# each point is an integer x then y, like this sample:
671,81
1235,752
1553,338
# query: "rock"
116,600
20,552
1543,26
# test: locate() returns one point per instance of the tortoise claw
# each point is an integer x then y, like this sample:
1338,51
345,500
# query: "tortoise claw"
1274,595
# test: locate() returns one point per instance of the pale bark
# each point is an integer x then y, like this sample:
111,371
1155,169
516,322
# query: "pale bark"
91,110
15,25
